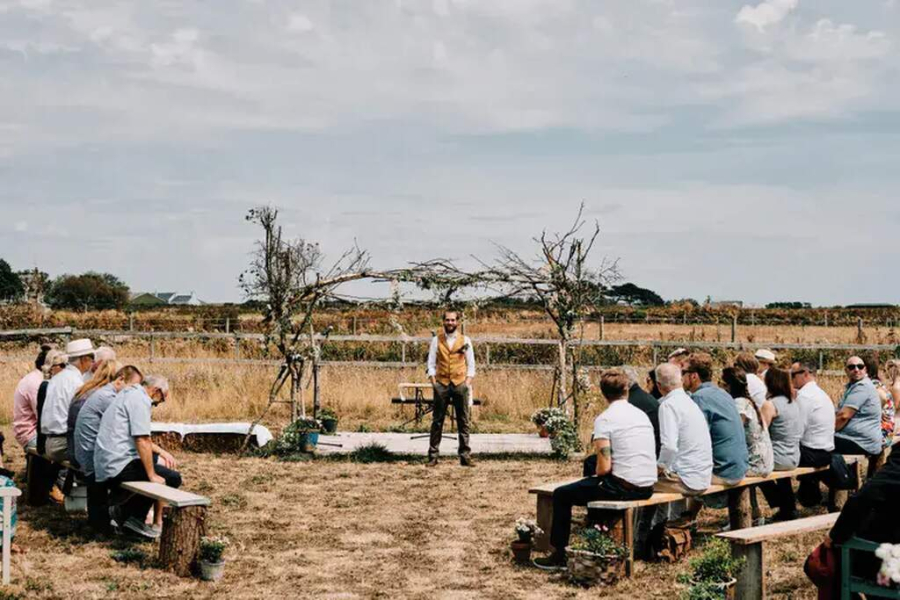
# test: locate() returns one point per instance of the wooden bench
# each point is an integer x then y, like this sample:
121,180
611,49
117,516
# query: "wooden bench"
749,544
856,585
183,526
739,511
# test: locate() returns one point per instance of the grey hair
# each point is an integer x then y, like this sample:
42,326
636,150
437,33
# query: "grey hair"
104,353
632,374
668,376
809,366
157,381
74,359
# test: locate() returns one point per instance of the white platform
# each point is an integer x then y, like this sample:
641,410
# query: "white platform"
402,443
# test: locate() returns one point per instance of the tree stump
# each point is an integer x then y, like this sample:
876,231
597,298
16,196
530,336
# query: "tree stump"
180,540
740,514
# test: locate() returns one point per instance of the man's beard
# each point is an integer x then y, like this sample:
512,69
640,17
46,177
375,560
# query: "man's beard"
448,329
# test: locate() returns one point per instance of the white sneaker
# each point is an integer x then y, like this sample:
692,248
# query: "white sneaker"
143,529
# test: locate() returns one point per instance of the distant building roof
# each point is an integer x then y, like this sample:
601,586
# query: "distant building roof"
164,298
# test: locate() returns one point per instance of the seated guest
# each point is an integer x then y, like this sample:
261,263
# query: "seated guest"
644,401
626,464
102,377
60,392
759,445
679,357
869,514
857,424
887,411
25,403
755,384
766,360
729,444
101,357
124,452
685,461
785,429
652,388
87,425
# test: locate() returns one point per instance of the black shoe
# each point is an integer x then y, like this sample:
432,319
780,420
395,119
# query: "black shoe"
466,461
552,562
432,462
784,515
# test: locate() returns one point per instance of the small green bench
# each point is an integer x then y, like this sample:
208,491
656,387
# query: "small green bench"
856,585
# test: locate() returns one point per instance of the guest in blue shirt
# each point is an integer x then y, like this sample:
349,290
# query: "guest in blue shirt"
729,444
858,421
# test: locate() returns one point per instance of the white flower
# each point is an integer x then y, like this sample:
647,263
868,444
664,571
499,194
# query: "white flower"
895,550
883,551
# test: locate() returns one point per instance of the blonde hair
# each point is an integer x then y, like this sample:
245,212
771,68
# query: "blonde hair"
892,368
105,374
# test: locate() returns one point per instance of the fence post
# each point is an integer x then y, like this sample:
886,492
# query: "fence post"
826,319
403,353
354,325
734,329
237,347
602,323
152,347
227,324
131,322
859,329
821,360
487,355
655,356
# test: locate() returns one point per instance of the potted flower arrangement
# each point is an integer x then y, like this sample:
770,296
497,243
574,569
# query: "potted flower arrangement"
715,569
541,418
212,565
526,529
595,557
329,420
300,436
889,573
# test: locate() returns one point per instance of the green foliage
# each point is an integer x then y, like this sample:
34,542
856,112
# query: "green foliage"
716,564
706,590
327,414
541,416
633,294
212,548
372,453
130,556
294,437
90,291
11,286
597,540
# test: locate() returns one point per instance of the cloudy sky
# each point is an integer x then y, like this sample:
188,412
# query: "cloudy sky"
733,150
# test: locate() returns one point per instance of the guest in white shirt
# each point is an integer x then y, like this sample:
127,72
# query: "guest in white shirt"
755,384
766,360
60,392
626,464
685,455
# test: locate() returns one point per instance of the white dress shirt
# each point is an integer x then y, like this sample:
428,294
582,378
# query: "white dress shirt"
630,436
685,443
757,389
451,340
817,414
60,392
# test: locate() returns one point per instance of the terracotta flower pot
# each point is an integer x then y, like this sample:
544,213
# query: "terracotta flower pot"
521,552
544,432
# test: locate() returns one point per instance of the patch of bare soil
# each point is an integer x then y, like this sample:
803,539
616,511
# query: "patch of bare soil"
341,530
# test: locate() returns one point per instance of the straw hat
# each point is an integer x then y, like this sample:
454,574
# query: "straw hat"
766,355
77,348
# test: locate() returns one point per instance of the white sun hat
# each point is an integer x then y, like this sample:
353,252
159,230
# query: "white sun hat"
763,354
77,348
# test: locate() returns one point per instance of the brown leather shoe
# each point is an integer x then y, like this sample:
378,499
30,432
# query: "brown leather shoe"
57,496
466,461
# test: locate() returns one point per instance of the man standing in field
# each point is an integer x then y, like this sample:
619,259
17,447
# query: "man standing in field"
451,367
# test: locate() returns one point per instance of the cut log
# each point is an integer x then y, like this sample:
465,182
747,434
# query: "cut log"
740,514
179,544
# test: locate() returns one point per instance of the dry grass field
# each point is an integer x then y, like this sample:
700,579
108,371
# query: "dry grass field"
335,529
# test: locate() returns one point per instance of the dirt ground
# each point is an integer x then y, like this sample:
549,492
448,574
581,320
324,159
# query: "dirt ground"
338,529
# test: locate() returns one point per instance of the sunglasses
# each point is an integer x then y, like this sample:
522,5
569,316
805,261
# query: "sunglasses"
855,367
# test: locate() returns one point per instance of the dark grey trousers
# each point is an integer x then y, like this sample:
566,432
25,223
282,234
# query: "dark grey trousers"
443,396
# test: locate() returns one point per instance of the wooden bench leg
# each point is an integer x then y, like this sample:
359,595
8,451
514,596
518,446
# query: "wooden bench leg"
628,535
740,515
180,540
544,521
40,474
751,581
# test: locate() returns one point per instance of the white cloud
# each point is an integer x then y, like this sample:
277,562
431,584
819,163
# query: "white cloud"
300,23
830,42
766,13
